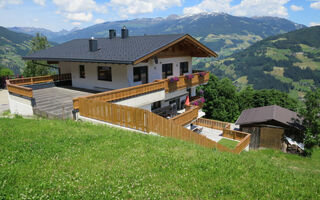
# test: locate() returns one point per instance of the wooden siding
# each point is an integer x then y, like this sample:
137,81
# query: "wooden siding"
271,137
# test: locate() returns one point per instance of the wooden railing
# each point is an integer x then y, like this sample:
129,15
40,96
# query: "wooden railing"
235,135
183,82
122,93
213,124
186,117
142,120
146,121
16,85
242,144
17,89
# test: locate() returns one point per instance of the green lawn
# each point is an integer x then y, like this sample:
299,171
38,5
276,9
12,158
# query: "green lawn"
53,159
228,143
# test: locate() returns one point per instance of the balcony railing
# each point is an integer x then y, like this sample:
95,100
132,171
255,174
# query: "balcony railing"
178,83
122,93
16,85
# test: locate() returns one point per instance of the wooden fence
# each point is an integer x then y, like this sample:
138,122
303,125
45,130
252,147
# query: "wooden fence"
16,85
146,121
214,124
186,117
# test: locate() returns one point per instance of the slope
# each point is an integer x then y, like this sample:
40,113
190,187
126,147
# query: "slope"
54,159
289,62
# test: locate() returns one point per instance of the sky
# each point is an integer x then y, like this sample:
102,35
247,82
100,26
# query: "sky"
68,14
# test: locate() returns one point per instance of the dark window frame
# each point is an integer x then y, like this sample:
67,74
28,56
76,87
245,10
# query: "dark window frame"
165,71
82,71
107,75
184,68
156,105
137,73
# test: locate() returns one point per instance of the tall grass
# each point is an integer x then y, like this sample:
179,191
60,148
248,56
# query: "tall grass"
54,159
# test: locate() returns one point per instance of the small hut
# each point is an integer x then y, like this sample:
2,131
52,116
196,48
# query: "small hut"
268,125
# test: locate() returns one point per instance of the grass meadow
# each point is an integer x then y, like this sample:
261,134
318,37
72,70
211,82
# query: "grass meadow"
53,159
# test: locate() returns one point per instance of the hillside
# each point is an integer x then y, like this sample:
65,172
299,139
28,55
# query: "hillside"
12,46
53,159
223,33
33,31
289,62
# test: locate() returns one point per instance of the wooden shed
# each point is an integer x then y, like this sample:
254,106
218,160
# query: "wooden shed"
268,124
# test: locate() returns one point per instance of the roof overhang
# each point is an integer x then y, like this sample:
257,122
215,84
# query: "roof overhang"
78,60
208,52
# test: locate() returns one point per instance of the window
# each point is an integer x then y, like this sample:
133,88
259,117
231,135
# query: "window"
104,73
183,68
140,74
82,71
156,105
166,70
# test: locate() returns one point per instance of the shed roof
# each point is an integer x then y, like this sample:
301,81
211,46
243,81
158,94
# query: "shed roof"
130,50
268,113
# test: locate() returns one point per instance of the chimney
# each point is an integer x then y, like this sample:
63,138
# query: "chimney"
93,44
124,32
112,33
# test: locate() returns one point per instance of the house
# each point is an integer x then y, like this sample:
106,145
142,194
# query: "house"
105,64
138,83
268,125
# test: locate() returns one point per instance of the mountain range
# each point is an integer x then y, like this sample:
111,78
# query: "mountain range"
221,32
289,62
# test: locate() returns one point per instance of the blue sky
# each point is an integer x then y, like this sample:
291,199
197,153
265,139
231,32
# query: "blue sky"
67,14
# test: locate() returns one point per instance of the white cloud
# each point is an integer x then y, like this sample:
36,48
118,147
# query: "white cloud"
76,23
244,8
81,16
315,5
314,24
134,7
296,8
78,6
3,3
99,21
35,19
40,2
209,6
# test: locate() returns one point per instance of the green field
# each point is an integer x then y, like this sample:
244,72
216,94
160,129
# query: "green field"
52,159
228,143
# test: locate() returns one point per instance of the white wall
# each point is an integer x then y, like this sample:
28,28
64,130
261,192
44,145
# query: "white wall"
143,101
20,105
119,76
155,70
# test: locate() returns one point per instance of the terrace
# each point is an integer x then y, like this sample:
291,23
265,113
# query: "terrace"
105,108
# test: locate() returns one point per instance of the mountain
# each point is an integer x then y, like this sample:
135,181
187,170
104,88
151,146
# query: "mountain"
289,62
12,46
221,32
48,33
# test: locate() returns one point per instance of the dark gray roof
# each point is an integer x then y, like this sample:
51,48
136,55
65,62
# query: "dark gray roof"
267,113
116,50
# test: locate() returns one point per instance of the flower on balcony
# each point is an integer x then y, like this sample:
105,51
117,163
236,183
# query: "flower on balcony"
201,92
189,76
201,100
174,79
195,103
202,74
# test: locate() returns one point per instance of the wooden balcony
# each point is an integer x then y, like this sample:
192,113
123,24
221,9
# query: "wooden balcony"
185,82
122,93
16,85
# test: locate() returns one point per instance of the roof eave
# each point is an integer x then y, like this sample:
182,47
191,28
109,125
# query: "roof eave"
79,60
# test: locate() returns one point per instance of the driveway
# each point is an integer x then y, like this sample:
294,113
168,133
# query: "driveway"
4,104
